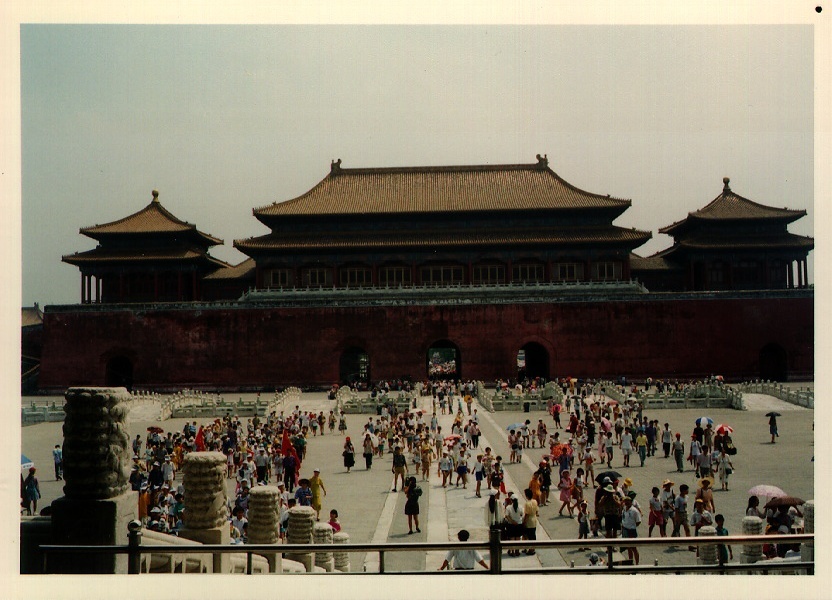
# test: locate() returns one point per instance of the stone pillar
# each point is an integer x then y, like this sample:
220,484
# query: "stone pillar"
341,559
98,503
299,531
752,553
707,552
322,534
206,513
807,550
264,522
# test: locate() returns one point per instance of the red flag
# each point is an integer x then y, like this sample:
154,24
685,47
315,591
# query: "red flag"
200,440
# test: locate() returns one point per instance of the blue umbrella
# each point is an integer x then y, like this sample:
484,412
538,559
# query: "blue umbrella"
703,421
515,426
25,463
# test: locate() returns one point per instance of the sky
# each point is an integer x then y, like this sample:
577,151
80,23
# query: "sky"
225,118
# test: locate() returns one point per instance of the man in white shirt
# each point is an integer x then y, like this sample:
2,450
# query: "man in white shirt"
630,520
464,559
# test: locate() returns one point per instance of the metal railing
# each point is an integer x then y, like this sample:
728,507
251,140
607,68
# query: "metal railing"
494,548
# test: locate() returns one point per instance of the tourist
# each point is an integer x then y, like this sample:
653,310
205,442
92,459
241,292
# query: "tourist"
626,445
342,423
630,520
724,551
772,426
333,518
608,504
608,448
565,486
411,505
399,467
331,422
31,492
290,465
303,494
369,450
700,518
752,509
316,486
478,471
530,514
706,494
679,453
680,515
348,454
667,439
261,465
463,559
58,459
545,481
595,560
513,519
641,445
462,467
656,513
583,522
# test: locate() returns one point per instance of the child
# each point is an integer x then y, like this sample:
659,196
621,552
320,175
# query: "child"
656,514
583,523
724,551
333,520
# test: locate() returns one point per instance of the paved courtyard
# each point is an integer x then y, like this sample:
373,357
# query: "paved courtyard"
370,512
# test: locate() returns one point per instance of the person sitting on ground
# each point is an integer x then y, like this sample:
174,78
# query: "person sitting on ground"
463,559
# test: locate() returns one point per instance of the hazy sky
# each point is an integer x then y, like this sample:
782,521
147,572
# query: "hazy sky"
222,119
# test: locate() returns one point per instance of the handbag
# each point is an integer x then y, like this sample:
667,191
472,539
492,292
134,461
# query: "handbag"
728,470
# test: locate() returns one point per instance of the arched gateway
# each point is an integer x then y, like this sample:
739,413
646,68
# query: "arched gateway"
444,360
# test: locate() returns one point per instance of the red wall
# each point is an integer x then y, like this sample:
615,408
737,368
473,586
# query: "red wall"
232,347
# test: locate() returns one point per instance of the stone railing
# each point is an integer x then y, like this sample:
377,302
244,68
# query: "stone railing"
194,404
699,395
804,398
483,397
45,413
288,397
355,403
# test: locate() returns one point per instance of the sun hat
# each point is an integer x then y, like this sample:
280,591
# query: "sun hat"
628,482
609,488
594,557
667,482
316,470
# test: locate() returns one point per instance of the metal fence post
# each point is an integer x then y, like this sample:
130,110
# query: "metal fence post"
495,549
609,557
134,542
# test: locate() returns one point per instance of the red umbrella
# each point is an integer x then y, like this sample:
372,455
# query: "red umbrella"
612,402
722,429
453,436
605,423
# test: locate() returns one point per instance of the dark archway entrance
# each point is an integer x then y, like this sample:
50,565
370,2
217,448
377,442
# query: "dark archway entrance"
532,361
773,363
444,360
120,372
355,366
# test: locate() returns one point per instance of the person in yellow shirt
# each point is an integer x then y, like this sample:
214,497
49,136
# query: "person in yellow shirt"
641,445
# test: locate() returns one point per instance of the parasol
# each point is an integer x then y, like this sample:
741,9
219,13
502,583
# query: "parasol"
25,462
765,490
452,438
514,426
783,501
773,414
703,421
614,475
155,429
612,402
605,424
722,429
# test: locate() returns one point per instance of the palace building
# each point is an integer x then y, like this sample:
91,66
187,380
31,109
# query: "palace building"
374,271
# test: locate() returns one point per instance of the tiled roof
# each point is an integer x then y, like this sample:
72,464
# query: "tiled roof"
153,218
106,255
763,241
241,271
440,189
577,235
731,206
651,263
31,315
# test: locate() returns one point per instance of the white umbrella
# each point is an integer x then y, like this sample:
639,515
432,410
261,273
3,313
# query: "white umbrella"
766,491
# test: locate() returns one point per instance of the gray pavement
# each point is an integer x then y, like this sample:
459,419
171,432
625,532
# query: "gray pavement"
370,512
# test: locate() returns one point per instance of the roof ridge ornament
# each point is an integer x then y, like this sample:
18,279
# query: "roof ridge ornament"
155,195
542,161
726,187
335,167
